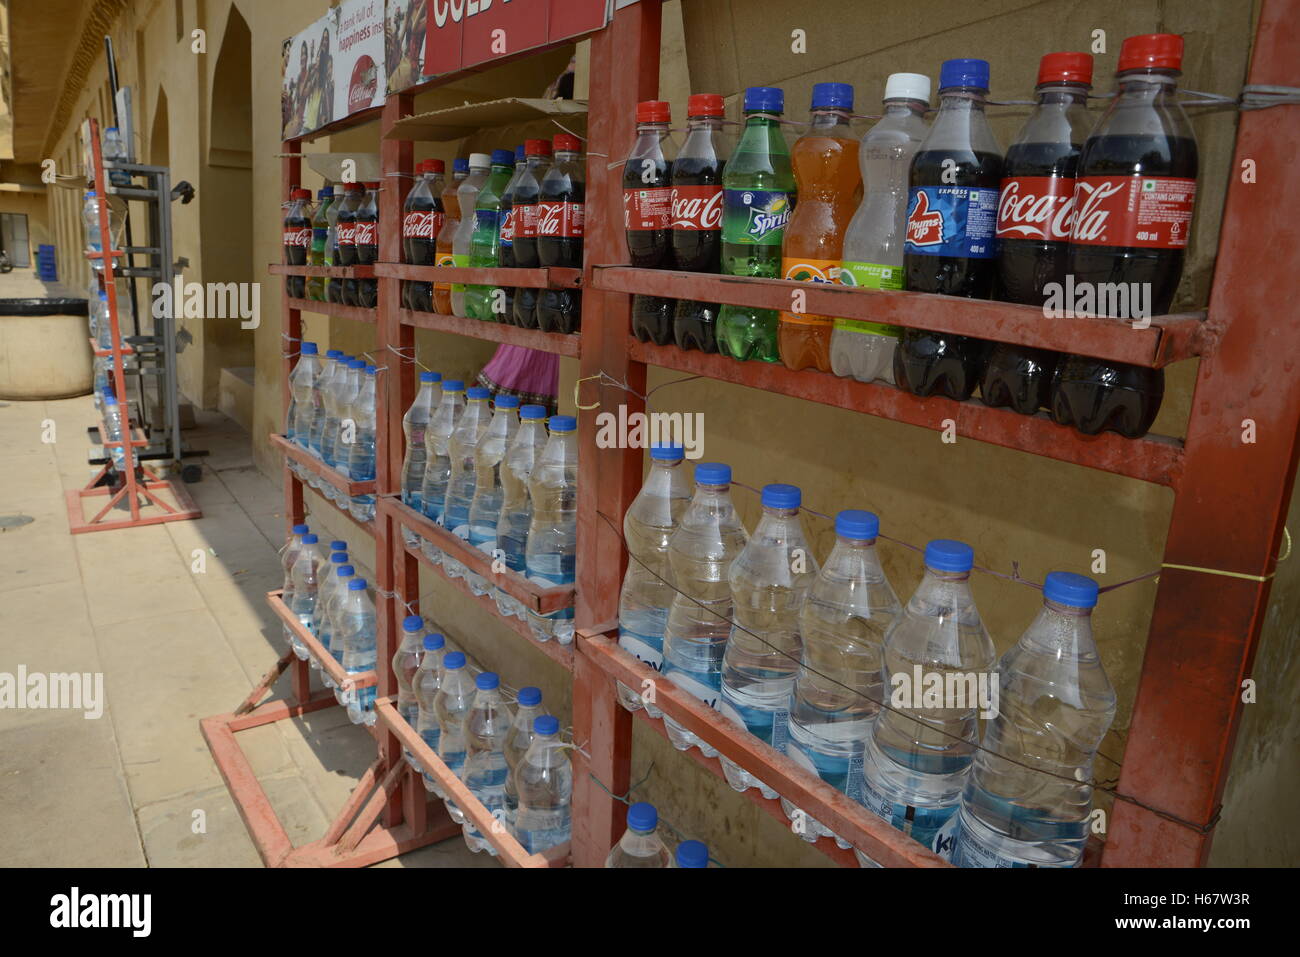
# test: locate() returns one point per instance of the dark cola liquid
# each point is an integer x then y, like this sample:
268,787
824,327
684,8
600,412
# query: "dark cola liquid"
694,324
559,310
1096,396
422,251
648,248
652,319
523,308
1016,376
930,363
296,286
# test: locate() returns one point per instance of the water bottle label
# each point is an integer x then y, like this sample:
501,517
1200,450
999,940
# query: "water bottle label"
535,840
431,736
642,650
970,853
935,827
842,773
870,276
772,727
755,217
709,691
953,221
461,530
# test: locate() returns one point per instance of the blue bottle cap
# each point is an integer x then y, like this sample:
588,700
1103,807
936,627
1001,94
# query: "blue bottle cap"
487,681
110,399
308,348
338,558
520,155
973,74
357,584
344,571
764,99
334,354
529,697
453,385
325,191
712,473
433,642
339,545
503,158
562,423
546,724
832,96
945,555
642,817
531,412
857,524
430,376
667,452
777,495
370,370
478,392
309,539
454,660
1067,588
412,623
507,402
692,854
357,364
300,529
460,164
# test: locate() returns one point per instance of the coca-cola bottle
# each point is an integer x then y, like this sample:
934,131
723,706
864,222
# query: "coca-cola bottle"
561,211
646,220
1034,216
952,215
297,239
422,221
537,154
506,244
1132,217
347,241
697,216
367,240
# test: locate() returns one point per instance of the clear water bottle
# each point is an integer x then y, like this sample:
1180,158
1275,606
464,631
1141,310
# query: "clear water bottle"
471,426
1028,797
545,777
101,323
361,462
640,845
647,592
356,625
302,384
489,460
307,567
873,243
451,705
691,854
103,382
770,579
700,553
528,710
917,756
289,554
113,433
516,504
325,387
331,395
838,691
437,453
550,554
462,243
486,727
345,434
113,149
332,637
406,662
328,576
415,425
90,223
425,685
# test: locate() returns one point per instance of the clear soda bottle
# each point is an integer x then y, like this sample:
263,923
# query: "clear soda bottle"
516,502
437,468
470,428
425,685
415,424
462,243
545,777
487,725
489,462
640,845
550,553
485,238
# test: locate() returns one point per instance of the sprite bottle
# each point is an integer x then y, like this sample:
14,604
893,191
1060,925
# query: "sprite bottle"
758,196
485,244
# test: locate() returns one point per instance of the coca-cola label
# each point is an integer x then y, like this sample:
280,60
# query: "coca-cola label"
508,227
526,221
1036,207
366,234
558,220
697,208
347,234
647,208
1149,212
953,221
422,224
297,236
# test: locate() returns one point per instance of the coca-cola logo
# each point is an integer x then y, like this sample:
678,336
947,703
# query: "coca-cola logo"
697,207
364,84
347,234
1090,216
1037,207
555,220
367,234
924,226
422,224
297,236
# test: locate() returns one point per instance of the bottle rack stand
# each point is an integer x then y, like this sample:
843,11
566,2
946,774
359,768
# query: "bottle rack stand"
1230,500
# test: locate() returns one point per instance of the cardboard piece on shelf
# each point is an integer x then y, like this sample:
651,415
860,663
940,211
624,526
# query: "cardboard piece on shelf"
330,165
460,121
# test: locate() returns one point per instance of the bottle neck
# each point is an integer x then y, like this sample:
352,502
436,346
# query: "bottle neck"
1061,94
694,123
566,156
828,119
901,106
962,100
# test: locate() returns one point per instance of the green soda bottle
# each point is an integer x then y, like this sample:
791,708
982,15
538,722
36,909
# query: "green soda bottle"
485,246
758,196
320,227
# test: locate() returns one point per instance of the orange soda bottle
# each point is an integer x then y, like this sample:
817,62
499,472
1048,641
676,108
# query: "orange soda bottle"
442,246
825,161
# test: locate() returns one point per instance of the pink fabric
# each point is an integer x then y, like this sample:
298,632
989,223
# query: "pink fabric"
517,369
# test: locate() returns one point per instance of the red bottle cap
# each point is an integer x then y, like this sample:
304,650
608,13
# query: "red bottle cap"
300,194
563,141
653,111
1159,51
1065,68
537,147
372,186
705,104
435,166
352,187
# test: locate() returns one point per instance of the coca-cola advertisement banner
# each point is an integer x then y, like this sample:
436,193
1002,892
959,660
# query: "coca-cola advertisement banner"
359,78
404,30
465,33
307,84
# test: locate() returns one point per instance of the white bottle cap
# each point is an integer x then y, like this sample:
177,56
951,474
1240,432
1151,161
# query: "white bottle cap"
484,161
907,86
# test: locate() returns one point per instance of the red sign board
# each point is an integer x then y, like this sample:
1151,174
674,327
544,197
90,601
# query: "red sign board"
466,33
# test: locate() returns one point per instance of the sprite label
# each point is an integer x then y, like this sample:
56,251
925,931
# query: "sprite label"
870,276
755,217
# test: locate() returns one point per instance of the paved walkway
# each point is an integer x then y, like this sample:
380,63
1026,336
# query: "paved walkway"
173,646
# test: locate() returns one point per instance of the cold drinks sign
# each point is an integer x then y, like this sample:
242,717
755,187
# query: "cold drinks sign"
465,33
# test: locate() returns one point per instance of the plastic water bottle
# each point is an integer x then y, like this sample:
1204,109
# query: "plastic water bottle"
103,382
486,727
325,386
520,736
328,582
307,567
113,432
101,323
485,508
330,399
91,227
769,582
425,685
414,426
873,243
708,538
406,663
437,468
114,151
545,777
302,404
288,554
640,845
691,854
356,625
345,431
550,554
450,706
361,463
333,640
470,428
647,594
917,757
838,691
516,503
1055,706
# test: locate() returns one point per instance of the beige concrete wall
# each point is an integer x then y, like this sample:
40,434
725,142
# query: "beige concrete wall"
35,207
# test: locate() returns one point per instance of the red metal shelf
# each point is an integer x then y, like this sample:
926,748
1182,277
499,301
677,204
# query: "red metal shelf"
318,467
560,344
547,277
123,348
334,309
318,652
331,272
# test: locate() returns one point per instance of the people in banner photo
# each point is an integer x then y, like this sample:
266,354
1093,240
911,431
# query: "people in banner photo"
404,42
320,107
